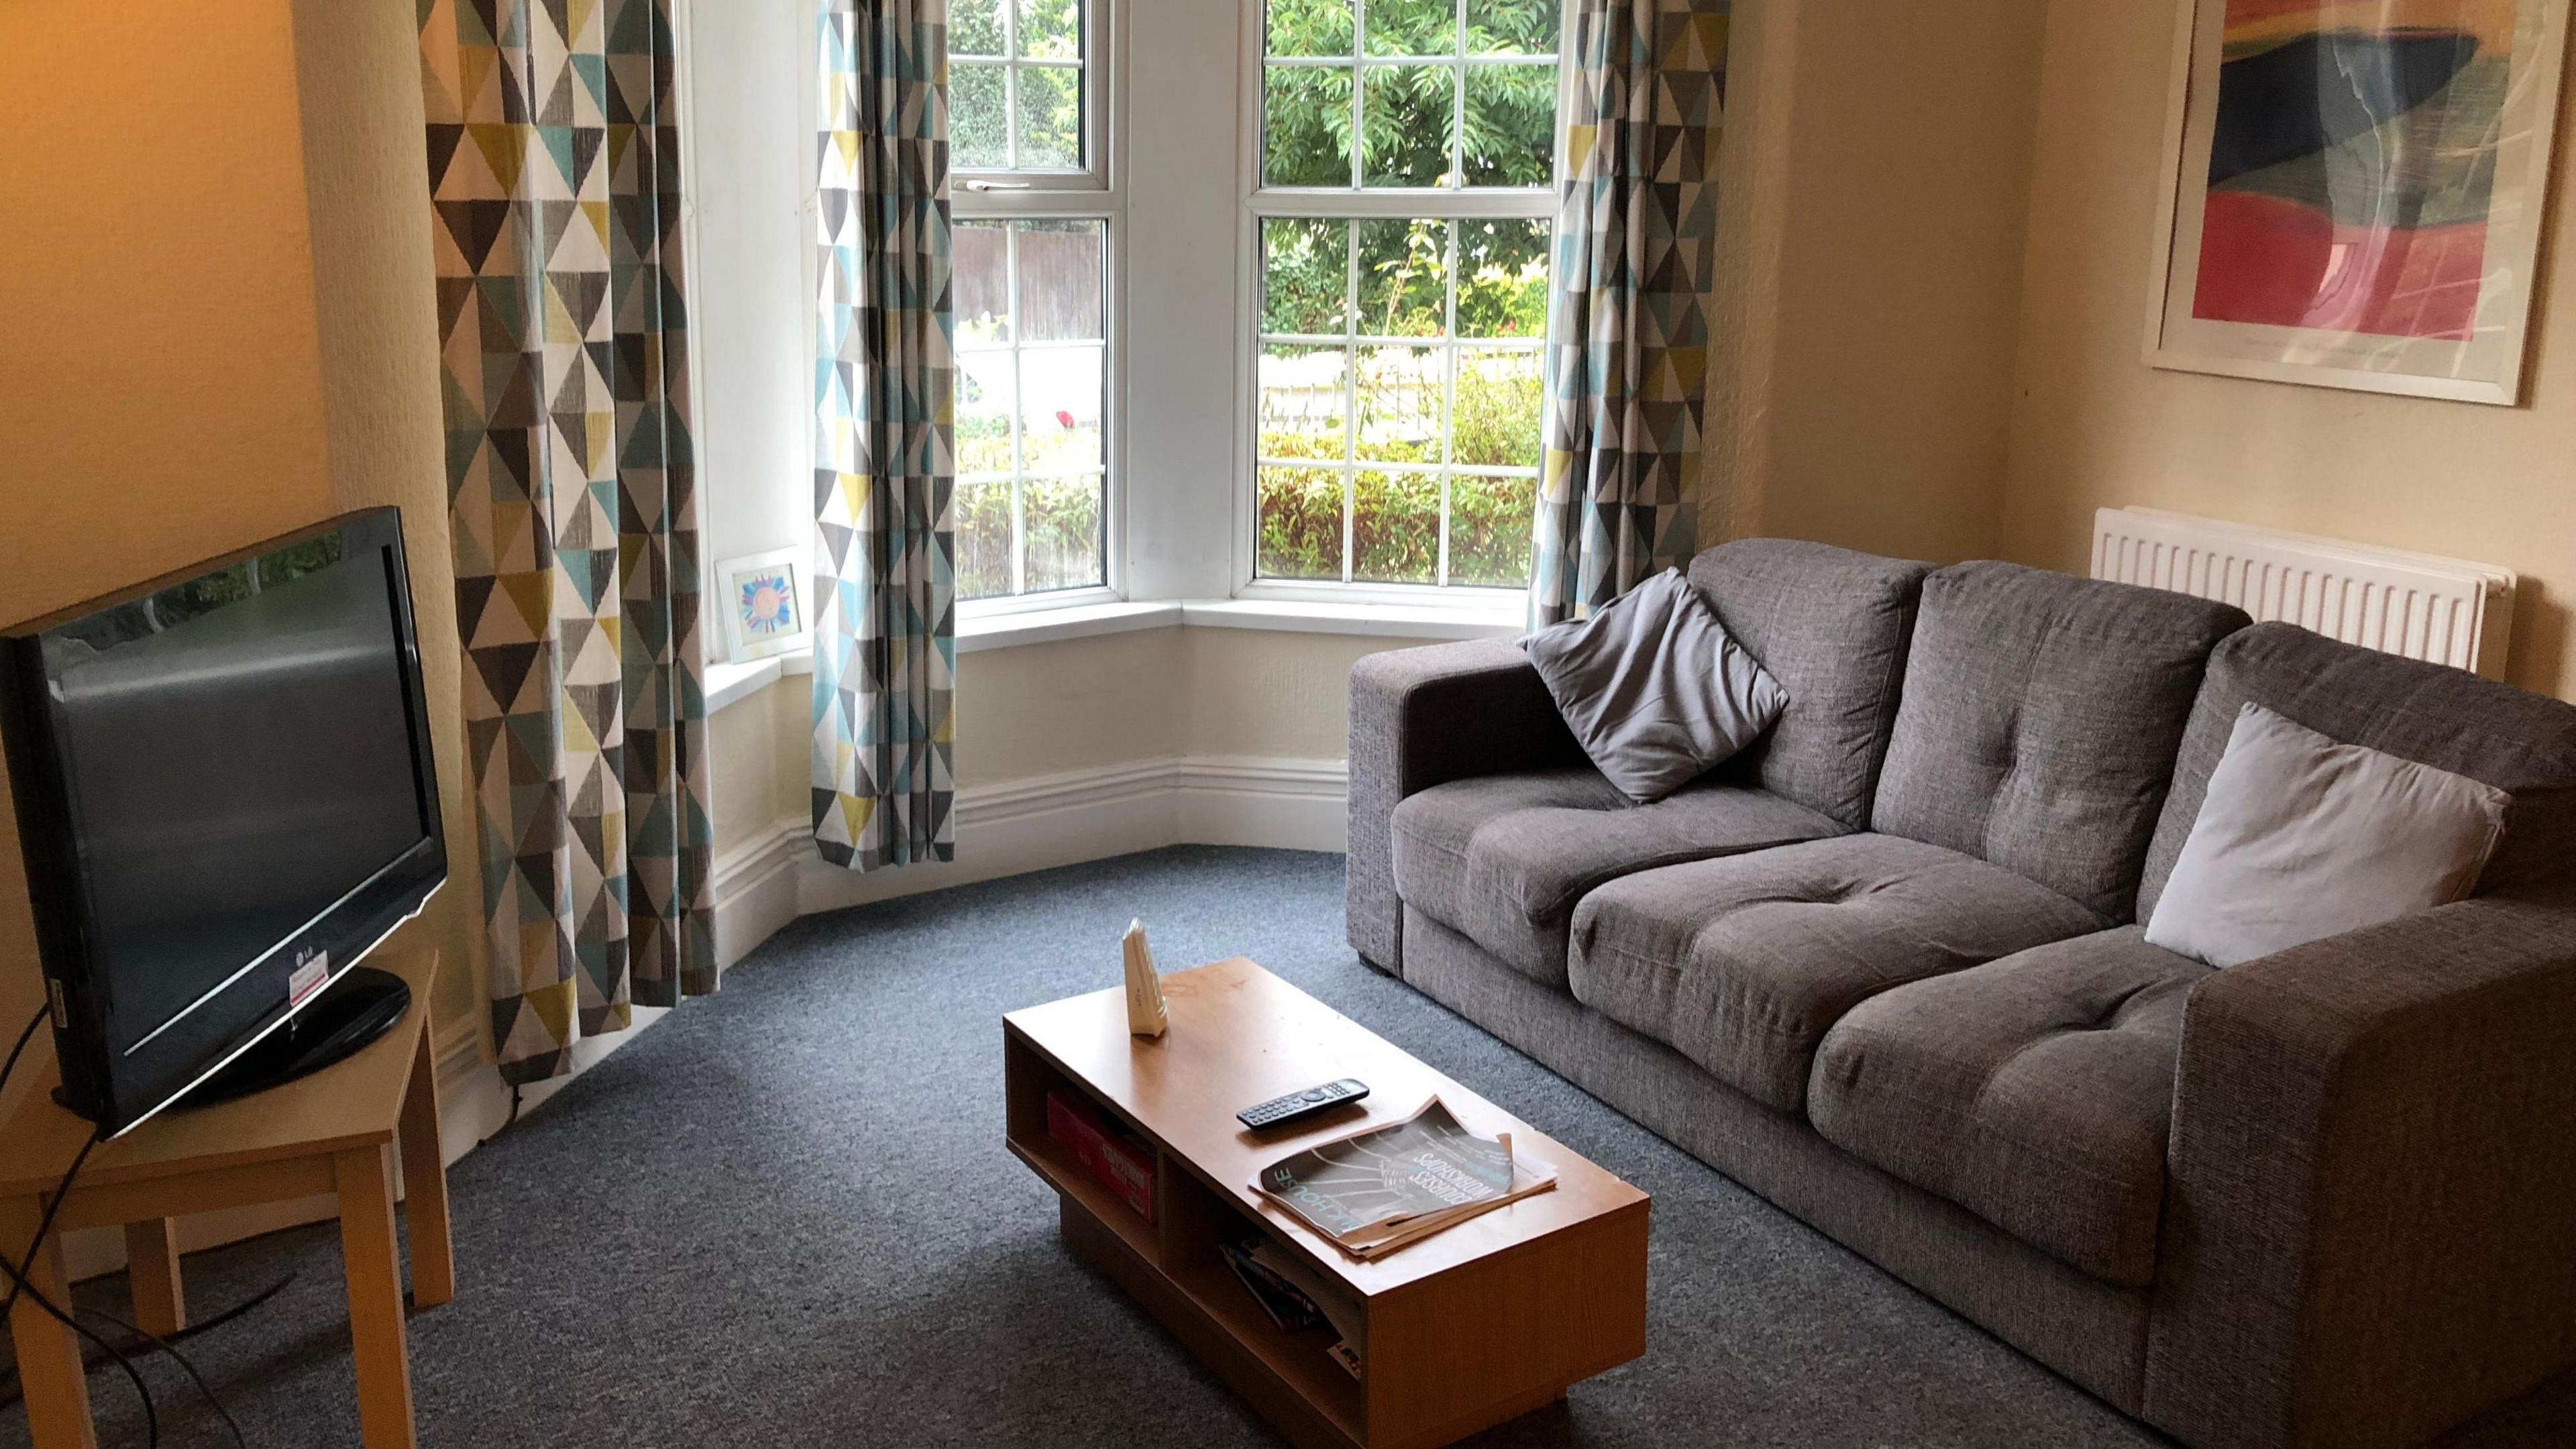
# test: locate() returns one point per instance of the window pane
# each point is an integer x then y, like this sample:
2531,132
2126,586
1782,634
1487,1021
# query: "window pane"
1511,125
1500,408
1305,400
1301,523
977,125
1051,29
975,27
1406,115
982,279
1051,118
983,412
1400,403
1060,408
1513,27
1395,528
1305,275
1502,281
1310,27
983,517
1063,517
1062,264
1489,530
1412,27
1404,278
1305,126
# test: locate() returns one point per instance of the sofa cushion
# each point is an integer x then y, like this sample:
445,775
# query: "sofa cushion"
2035,1091
1502,859
1655,688
2040,721
1832,626
1742,964
2301,837
2516,741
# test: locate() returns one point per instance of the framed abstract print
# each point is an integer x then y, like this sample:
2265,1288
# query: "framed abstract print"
764,610
2357,191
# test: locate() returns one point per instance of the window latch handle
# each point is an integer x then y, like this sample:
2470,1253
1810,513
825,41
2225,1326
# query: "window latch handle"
996,185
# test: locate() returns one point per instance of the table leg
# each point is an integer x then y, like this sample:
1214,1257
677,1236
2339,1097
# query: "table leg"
152,1274
366,1182
424,1164
49,1358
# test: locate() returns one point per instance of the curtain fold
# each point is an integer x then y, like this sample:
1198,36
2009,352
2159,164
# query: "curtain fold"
1628,329
555,188
884,467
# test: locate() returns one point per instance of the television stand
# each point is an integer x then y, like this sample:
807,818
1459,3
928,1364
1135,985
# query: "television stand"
338,1132
356,1009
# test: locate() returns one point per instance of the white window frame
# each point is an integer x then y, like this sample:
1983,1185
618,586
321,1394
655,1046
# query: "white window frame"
1262,203
1090,194
1099,133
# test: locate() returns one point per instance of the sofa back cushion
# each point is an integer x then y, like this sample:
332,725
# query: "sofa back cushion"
1832,626
2515,741
2041,718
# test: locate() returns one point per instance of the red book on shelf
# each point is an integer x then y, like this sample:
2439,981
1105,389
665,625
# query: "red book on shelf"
1123,1166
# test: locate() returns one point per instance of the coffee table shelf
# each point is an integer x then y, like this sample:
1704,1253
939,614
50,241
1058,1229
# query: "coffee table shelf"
1463,1329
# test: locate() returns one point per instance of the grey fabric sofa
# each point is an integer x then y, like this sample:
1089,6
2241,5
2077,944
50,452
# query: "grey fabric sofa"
1885,970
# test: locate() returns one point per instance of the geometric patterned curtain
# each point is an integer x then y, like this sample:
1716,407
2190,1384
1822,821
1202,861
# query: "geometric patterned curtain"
885,645
554,182
1628,330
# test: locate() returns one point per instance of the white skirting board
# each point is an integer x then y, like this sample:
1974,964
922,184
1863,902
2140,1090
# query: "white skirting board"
1024,825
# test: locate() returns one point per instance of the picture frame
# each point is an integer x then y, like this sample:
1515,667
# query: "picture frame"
764,604
2354,192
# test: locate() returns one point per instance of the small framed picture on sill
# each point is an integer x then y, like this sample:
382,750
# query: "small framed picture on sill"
764,609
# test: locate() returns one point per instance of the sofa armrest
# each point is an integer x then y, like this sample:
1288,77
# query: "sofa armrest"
1420,717
2370,1223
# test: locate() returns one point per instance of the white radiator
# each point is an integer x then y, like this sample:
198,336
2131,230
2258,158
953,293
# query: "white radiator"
2437,609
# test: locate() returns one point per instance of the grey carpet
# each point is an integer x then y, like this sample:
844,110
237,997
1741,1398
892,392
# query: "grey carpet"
784,1217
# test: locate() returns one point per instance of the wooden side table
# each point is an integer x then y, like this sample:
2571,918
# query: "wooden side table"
333,1132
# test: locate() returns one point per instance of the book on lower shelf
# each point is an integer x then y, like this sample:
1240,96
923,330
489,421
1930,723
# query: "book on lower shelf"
1378,1189
1295,1298
1113,1157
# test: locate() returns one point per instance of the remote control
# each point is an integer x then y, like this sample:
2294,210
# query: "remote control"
1296,1105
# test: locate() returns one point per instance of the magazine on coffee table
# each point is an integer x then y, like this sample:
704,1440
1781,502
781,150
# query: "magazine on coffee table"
1376,1190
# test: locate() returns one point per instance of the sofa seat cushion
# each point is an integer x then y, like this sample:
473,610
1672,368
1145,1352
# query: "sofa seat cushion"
1743,964
1502,859
2035,1091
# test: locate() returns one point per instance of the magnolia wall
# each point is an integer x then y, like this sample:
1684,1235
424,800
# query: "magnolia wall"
219,317
2094,426
1076,704
1872,188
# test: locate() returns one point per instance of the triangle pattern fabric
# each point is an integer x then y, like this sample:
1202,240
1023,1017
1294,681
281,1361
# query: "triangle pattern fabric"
1628,330
571,507
885,652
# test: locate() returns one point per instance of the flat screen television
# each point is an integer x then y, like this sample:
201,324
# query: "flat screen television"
225,798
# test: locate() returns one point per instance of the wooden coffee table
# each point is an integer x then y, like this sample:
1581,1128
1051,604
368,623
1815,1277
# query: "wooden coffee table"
1465,1329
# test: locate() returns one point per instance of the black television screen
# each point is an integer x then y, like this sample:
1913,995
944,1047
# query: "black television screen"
225,797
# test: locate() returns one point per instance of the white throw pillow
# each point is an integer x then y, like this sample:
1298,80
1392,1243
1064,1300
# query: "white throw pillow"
1655,688
2302,837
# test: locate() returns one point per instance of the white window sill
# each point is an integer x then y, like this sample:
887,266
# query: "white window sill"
730,683
1376,621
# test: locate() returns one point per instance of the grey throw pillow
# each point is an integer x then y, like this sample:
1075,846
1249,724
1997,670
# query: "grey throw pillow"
1654,688
2302,838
